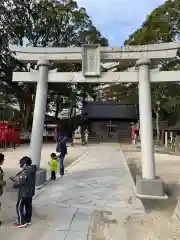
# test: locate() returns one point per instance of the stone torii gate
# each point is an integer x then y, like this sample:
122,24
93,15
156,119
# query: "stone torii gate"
147,185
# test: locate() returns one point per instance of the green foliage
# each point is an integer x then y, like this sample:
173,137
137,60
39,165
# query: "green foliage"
8,113
126,93
161,25
57,23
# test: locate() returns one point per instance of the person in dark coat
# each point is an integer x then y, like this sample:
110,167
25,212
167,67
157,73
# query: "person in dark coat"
2,182
62,150
24,182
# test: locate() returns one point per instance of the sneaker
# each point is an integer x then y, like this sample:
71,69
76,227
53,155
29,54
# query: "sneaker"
28,223
20,225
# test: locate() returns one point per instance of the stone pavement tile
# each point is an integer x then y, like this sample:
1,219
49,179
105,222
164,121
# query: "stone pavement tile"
87,211
95,185
52,234
76,235
97,181
85,206
89,186
62,223
81,221
60,218
75,198
33,232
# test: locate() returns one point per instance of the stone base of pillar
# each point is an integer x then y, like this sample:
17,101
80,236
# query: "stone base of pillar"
133,141
40,177
77,141
150,189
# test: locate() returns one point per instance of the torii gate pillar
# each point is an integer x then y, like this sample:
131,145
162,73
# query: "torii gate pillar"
147,185
147,148
39,112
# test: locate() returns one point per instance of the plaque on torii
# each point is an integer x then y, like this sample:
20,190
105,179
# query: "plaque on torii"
91,60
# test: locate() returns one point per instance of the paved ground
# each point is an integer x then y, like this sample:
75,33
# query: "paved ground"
7,213
95,199
13,155
160,222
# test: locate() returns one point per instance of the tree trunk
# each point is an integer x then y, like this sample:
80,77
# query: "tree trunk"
157,127
28,115
22,111
58,105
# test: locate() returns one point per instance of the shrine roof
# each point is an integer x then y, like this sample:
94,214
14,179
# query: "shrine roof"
94,110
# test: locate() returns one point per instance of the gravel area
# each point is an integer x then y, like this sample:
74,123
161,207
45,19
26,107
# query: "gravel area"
158,222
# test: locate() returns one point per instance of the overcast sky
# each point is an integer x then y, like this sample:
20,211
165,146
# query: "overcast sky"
116,19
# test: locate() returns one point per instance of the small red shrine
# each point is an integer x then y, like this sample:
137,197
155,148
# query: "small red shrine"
9,134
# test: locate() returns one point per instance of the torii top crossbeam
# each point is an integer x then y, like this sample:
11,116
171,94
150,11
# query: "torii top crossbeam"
106,54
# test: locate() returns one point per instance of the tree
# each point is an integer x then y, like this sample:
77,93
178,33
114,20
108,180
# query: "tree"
40,23
161,25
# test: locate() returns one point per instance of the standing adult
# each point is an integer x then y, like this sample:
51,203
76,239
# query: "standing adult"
62,150
2,182
25,184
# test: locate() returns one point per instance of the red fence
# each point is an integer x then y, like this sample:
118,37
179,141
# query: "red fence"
8,135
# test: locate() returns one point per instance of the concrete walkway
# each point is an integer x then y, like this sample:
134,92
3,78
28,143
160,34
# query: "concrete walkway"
99,180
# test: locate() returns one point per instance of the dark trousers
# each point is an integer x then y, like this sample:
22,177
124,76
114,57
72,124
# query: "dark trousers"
61,164
53,175
24,210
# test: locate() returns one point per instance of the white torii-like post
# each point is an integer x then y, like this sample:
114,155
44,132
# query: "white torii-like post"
39,111
147,185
